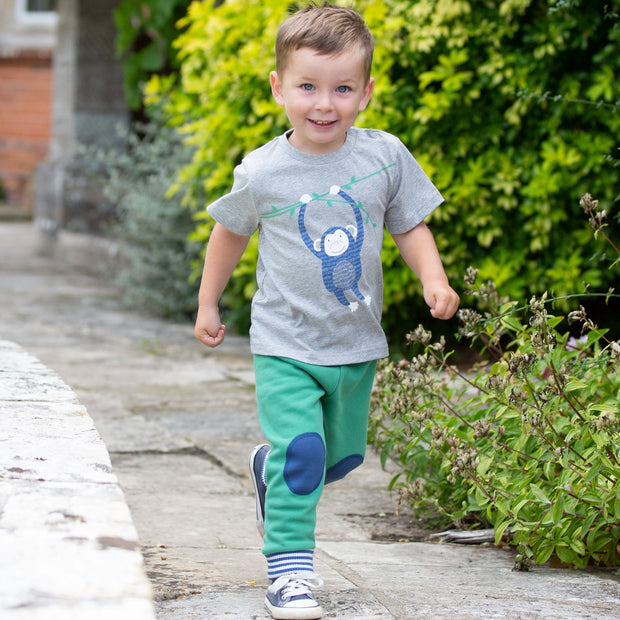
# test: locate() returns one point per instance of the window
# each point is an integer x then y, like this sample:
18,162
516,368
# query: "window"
44,6
36,11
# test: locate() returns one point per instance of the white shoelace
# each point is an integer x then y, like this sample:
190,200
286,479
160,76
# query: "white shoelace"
297,584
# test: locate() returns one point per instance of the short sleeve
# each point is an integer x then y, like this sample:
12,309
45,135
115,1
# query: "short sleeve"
413,197
237,210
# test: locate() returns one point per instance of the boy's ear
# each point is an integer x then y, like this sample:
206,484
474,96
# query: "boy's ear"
367,93
276,88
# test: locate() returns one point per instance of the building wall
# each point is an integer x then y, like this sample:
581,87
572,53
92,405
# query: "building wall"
25,119
26,52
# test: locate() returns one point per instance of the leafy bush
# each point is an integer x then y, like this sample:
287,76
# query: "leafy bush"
514,110
152,228
145,31
528,441
511,106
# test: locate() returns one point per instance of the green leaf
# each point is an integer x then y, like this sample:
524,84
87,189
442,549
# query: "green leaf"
577,545
575,384
500,529
511,323
539,494
554,321
517,509
588,523
593,471
543,553
565,553
558,509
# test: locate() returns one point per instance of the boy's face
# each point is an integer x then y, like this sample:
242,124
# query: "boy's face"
322,96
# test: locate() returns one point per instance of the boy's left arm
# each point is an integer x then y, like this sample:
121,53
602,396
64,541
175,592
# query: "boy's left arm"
418,249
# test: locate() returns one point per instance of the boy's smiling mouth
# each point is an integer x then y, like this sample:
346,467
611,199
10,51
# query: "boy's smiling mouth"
321,123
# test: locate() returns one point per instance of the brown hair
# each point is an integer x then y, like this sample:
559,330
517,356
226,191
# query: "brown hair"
326,28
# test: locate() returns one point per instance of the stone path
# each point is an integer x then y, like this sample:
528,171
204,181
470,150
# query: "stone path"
178,421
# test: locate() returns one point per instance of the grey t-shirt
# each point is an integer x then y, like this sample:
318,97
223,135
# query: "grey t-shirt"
320,220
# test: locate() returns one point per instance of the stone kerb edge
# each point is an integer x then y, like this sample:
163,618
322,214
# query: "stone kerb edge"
69,546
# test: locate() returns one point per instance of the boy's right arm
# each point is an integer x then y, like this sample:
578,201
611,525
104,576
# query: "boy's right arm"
224,251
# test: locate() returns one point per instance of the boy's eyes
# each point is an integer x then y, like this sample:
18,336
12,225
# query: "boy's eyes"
339,89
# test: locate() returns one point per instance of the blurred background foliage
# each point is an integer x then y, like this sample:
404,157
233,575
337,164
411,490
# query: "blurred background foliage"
145,32
512,107
152,230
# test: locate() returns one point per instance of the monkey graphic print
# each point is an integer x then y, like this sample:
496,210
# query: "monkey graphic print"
339,251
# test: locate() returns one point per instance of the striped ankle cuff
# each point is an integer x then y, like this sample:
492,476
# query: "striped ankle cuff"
279,564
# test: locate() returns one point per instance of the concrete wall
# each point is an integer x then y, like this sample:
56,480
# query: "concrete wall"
88,104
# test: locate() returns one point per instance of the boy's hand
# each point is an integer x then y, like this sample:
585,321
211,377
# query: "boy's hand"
209,329
441,299
417,246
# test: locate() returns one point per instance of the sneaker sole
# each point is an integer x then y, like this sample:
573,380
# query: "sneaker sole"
260,523
292,613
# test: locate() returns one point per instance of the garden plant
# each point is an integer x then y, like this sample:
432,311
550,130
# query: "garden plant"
527,441
151,226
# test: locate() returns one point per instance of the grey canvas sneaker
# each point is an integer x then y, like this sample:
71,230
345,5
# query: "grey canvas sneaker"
257,472
290,597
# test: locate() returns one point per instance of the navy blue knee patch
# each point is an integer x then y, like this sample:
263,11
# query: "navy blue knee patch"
305,462
343,467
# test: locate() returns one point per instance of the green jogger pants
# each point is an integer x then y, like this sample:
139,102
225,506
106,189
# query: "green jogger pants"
315,419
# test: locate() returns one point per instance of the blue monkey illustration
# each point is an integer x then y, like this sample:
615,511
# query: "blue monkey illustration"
339,251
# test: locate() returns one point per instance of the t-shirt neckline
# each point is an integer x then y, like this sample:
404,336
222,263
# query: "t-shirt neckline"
326,158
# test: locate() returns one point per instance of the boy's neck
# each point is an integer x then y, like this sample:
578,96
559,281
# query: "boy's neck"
290,136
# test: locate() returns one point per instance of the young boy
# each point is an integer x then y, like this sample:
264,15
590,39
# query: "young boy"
319,195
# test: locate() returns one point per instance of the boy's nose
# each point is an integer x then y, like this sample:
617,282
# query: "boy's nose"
324,101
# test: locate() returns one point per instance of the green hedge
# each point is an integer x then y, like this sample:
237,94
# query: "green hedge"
145,31
510,106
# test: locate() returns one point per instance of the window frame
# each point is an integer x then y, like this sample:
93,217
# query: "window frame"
24,16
